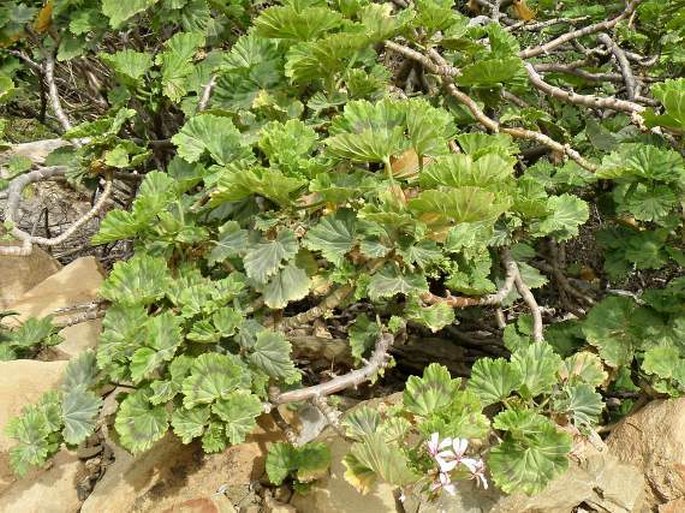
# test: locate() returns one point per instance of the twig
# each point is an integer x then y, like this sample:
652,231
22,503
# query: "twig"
379,360
575,34
623,64
206,94
587,100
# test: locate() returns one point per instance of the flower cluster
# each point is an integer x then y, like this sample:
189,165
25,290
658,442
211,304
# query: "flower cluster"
449,454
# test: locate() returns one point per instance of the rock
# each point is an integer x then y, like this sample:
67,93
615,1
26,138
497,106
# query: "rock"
52,490
36,151
274,506
75,284
215,504
336,494
653,439
77,338
171,474
20,273
676,506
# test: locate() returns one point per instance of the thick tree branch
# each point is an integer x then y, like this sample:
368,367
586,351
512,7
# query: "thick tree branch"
586,100
575,34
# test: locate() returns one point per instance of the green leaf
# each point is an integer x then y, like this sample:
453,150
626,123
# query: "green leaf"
140,424
489,72
333,235
567,213
140,281
376,455
296,24
290,284
494,380
390,281
214,376
671,94
128,63
208,132
462,205
33,332
177,64
608,328
263,260
537,365
360,422
583,405
434,317
583,367
667,363
637,161
363,335
163,338
271,354
81,371
236,184
288,146
232,242
239,410
189,424
79,410
214,439
280,462
313,460
431,392
119,12
531,456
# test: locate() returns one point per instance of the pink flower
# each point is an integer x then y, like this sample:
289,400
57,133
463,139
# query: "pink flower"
459,446
445,483
435,446
477,469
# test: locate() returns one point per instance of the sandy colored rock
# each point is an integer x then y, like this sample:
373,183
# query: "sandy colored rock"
653,439
170,474
676,506
75,284
77,338
21,273
52,490
334,494
36,151
22,382
214,504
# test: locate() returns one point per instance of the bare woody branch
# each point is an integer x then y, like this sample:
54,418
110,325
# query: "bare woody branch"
53,93
436,64
623,64
14,196
511,270
529,298
586,100
378,361
575,34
